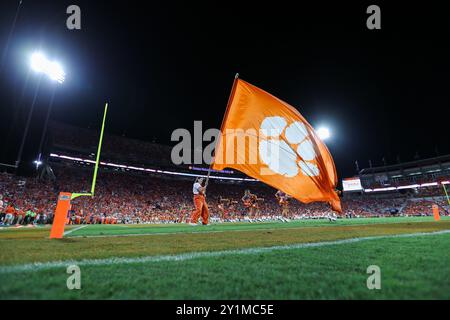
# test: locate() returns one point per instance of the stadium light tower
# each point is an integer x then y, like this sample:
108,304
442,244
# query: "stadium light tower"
52,69
323,133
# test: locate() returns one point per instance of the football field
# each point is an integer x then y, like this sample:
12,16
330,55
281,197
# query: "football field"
297,260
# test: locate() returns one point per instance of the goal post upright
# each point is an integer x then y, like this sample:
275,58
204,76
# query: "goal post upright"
97,161
446,193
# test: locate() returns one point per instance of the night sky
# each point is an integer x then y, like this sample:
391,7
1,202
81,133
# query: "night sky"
383,93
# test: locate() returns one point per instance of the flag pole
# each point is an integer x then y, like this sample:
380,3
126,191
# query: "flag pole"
230,97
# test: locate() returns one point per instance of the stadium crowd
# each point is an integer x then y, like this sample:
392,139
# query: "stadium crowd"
125,197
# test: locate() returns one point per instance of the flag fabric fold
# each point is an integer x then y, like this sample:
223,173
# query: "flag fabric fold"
269,140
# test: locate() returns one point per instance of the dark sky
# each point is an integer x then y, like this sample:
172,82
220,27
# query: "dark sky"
383,93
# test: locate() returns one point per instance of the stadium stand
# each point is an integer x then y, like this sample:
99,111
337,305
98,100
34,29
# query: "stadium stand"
406,174
77,141
134,196
128,197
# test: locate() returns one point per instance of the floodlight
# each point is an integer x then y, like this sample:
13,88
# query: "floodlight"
323,133
52,69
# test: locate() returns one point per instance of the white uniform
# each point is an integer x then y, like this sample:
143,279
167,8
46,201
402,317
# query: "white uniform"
196,188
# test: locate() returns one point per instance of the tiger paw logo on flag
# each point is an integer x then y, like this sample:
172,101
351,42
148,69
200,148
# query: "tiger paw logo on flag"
289,154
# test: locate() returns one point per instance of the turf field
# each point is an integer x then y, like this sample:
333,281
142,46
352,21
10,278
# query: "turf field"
296,260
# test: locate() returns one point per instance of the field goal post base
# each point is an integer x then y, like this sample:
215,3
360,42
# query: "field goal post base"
62,208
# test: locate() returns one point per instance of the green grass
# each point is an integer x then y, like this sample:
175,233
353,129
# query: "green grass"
411,268
99,230
336,272
142,229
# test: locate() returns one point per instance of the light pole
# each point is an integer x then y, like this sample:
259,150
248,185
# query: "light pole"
44,131
27,126
40,64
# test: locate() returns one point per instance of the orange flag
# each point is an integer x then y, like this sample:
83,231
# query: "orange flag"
269,140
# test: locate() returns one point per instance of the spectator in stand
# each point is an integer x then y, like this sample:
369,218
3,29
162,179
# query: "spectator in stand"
20,216
2,209
129,197
10,214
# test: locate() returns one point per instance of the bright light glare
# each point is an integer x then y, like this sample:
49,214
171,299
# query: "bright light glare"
53,70
323,133
38,62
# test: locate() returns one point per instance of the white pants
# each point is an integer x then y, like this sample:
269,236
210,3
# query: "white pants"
9,218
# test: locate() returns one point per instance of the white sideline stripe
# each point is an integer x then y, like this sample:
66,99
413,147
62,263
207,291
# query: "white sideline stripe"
194,255
75,229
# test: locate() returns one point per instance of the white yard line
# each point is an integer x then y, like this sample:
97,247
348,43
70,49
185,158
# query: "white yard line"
194,255
75,229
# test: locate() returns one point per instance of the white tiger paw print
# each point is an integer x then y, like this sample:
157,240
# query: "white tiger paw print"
287,159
